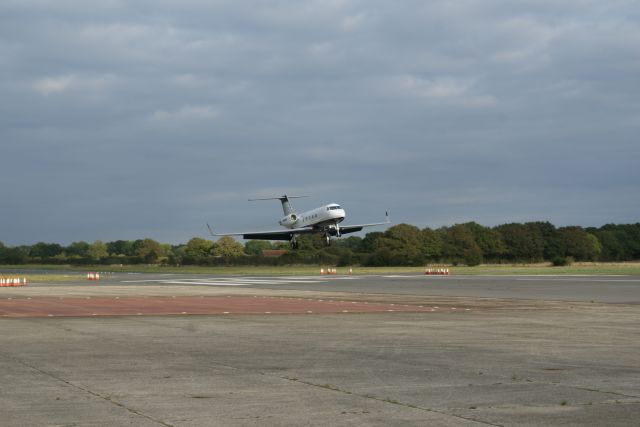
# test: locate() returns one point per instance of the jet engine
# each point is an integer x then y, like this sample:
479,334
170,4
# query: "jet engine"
289,220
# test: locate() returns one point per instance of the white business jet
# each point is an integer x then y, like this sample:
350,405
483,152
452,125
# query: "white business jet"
325,220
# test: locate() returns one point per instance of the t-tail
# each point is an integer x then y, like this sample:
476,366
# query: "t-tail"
286,205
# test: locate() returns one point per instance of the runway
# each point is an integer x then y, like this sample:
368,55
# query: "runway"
609,289
396,350
129,294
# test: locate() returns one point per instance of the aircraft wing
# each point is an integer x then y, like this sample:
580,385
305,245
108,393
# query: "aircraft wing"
346,229
269,235
289,233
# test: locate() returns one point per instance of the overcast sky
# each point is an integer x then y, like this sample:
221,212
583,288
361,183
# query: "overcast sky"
133,119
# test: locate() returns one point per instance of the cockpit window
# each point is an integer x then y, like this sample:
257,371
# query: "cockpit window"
334,207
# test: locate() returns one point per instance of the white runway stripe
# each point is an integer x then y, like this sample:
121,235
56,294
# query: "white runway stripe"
208,283
229,281
402,277
258,281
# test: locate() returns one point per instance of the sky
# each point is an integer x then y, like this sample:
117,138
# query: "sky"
150,118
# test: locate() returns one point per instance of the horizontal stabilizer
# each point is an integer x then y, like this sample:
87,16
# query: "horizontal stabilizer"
286,206
281,198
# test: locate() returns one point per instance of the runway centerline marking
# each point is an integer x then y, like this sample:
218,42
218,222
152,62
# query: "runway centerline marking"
230,281
400,277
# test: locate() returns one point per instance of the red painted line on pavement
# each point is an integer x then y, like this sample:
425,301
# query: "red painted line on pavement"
181,305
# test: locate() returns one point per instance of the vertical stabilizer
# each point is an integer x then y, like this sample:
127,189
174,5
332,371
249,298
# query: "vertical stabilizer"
286,205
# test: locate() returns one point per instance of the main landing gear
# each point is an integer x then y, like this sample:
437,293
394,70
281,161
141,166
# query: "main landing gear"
294,243
333,230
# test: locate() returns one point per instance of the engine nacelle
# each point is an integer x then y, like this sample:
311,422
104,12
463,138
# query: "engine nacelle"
289,220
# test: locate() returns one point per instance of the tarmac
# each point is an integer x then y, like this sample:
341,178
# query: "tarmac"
196,350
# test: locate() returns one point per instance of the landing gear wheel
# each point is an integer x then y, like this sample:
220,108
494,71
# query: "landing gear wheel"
294,244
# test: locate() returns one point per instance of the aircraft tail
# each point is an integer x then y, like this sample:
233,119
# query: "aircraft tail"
286,205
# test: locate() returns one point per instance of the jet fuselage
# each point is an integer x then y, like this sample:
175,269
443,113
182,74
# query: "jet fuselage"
319,217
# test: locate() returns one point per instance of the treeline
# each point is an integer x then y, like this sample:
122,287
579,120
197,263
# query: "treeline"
400,245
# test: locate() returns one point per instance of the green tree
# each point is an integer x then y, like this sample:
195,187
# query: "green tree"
167,253
628,240
176,256
370,242
42,250
596,246
392,252
379,258
149,250
431,244
578,244
352,242
97,250
524,242
77,249
280,245
611,249
255,247
405,244
13,255
121,247
554,246
198,248
489,242
226,246
459,245
340,255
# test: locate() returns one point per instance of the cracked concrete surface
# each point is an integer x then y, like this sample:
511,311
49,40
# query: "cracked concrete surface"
533,363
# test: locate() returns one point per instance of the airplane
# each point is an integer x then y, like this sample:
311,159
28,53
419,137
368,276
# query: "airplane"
323,220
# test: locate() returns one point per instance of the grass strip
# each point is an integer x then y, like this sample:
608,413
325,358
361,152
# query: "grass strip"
65,272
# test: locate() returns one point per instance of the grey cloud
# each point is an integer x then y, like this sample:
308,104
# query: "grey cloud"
127,120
